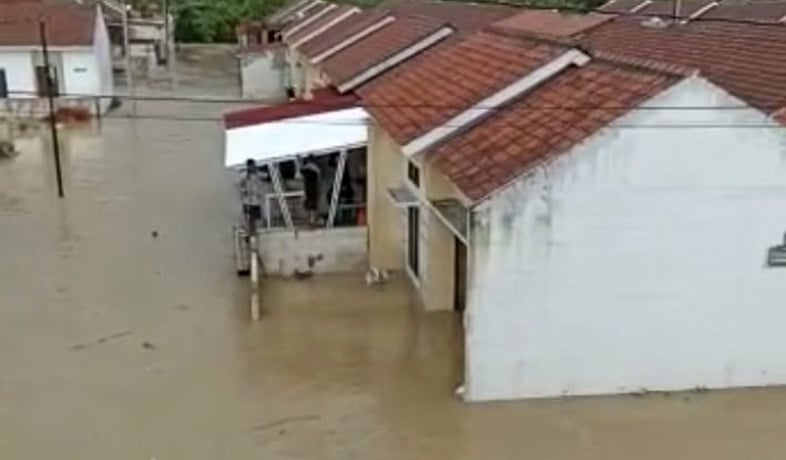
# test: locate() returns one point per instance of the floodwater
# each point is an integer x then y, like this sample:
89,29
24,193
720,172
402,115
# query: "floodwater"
115,344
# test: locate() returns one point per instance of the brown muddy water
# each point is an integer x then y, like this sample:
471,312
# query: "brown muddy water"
118,345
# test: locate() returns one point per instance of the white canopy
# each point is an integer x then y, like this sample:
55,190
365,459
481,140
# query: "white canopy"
322,133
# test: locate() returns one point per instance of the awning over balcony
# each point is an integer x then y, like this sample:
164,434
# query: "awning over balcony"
325,124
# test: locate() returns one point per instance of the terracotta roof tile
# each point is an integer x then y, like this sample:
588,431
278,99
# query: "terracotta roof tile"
551,23
666,8
464,17
620,6
404,32
306,16
769,12
749,61
323,21
422,95
335,35
324,100
67,24
491,154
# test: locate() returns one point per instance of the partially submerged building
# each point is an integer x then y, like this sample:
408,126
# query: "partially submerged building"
598,197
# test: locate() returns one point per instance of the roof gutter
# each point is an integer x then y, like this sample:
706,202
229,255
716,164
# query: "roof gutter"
488,105
394,60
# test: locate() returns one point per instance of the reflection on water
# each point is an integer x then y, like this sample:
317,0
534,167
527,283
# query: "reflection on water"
115,344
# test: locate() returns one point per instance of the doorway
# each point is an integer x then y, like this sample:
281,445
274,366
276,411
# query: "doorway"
41,75
460,276
3,84
413,240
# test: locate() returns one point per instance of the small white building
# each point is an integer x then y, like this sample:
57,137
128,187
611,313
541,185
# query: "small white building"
79,54
604,224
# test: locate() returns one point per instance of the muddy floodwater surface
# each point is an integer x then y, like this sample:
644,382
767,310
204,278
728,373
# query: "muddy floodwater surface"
124,331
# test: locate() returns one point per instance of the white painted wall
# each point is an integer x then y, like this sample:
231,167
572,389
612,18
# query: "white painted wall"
80,73
637,261
18,65
338,250
263,76
102,49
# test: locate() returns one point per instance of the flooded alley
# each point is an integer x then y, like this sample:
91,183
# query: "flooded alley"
124,332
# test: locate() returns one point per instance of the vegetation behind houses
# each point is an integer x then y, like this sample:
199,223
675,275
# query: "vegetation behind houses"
211,21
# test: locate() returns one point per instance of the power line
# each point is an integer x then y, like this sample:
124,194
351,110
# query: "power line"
362,104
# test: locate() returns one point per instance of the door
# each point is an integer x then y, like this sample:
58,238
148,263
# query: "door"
41,79
3,84
413,240
460,277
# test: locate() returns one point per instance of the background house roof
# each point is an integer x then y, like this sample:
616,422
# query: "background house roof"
306,15
68,24
323,21
551,23
462,16
397,36
544,123
423,95
335,35
747,60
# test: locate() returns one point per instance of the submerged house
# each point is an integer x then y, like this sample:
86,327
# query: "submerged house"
601,214
80,65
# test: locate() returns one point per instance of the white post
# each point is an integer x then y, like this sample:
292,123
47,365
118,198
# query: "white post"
342,162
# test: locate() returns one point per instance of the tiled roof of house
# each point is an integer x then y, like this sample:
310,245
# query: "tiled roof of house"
404,32
335,35
747,60
493,153
780,116
306,16
421,96
286,12
462,16
323,100
620,6
665,8
551,23
66,24
324,20
769,12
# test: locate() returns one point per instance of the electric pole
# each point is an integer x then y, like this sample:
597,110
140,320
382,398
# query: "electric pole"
52,118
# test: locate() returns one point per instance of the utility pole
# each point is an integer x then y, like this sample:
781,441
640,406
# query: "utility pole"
50,97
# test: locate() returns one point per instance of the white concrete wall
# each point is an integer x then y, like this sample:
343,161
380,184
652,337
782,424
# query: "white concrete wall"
339,250
637,261
19,71
80,72
263,76
102,49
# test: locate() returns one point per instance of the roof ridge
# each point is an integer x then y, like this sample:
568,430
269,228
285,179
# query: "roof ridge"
646,64
520,34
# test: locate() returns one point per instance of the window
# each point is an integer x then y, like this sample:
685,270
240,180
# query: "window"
413,240
413,174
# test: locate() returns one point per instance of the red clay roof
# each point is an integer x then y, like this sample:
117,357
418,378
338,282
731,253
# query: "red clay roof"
620,6
404,32
321,22
462,16
771,12
324,100
551,23
335,35
749,61
421,96
67,24
307,14
665,8
491,154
